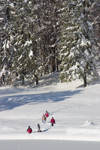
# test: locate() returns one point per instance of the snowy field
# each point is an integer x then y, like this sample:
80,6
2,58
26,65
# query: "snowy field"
76,111
48,145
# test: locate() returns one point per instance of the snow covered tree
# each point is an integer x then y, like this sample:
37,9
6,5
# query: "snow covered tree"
24,39
48,25
30,36
78,44
95,13
5,45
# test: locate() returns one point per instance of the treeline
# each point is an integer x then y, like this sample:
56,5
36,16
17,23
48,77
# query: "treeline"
35,39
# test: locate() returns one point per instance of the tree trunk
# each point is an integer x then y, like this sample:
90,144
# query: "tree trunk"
3,79
36,77
22,79
0,82
85,81
53,64
53,61
57,68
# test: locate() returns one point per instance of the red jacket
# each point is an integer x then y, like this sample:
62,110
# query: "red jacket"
47,114
52,120
29,130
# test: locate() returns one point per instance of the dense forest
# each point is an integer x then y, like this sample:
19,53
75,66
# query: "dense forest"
38,37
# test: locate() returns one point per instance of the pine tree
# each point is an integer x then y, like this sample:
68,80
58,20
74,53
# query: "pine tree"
95,17
30,37
5,49
48,24
78,43
24,40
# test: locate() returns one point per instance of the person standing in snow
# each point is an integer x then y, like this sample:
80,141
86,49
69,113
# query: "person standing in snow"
44,118
38,126
29,130
52,121
47,114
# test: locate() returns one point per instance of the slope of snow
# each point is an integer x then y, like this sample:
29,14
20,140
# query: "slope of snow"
48,145
75,109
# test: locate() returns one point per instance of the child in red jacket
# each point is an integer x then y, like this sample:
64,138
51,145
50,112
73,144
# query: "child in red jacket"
29,130
52,121
47,114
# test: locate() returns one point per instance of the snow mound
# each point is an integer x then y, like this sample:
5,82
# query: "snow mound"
89,123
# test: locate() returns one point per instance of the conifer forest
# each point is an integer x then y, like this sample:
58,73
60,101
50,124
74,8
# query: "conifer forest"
39,37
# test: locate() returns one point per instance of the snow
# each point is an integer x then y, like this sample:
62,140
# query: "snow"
27,43
1,19
75,109
31,53
83,41
25,1
48,145
12,5
3,71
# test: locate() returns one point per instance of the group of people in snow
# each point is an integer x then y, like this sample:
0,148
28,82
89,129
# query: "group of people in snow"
44,117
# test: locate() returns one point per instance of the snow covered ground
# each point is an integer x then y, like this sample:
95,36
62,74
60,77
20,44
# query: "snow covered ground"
75,109
48,145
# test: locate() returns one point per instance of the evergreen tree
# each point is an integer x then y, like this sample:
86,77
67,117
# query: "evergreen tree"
5,45
29,37
48,23
78,43
25,62
95,17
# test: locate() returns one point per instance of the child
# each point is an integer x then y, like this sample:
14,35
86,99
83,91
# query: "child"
52,121
47,114
43,118
29,130
38,126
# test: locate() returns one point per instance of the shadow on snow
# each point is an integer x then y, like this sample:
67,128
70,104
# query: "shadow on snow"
10,102
45,130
